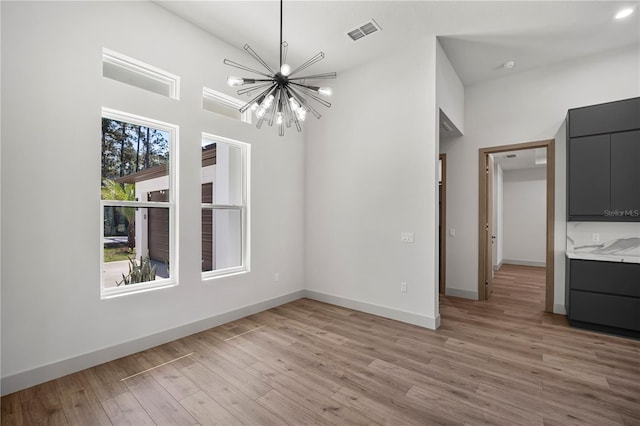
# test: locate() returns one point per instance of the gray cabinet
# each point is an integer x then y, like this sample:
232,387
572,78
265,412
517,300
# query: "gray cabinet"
589,175
603,162
604,296
625,172
609,117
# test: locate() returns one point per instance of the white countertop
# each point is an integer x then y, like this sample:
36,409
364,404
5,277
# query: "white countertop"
623,258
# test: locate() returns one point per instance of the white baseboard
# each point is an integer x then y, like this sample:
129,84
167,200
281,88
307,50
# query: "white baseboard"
498,266
383,311
465,294
28,378
523,263
559,309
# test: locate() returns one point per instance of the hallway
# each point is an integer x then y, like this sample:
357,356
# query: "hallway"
518,294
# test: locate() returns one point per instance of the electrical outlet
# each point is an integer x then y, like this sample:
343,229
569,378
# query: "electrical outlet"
276,277
403,287
595,238
452,232
407,237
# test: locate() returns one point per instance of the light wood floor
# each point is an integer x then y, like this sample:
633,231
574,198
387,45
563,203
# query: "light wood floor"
497,362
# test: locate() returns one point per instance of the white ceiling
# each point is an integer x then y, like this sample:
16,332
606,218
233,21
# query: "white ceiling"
524,159
478,36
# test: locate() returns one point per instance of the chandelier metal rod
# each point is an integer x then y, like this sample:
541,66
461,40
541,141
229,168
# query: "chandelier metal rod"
312,94
263,94
248,90
257,57
302,101
242,67
318,57
316,76
280,45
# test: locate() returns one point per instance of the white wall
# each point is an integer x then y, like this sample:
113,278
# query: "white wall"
371,173
52,94
449,89
524,107
524,216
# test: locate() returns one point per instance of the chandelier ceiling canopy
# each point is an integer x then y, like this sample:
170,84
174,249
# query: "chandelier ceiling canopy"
283,95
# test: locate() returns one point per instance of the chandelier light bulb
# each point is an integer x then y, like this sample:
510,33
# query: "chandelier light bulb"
235,81
279,119
325,91
267,102
301,113
294,105
285,69
624,13
260,112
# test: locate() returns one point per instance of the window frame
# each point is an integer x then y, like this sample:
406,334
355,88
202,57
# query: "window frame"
142,71
226,101
171,205
244,209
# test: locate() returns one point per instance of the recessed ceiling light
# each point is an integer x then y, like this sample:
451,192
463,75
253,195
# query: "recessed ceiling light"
624,13
509,64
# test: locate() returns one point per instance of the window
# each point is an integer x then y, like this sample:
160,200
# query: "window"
124,69
226,105
137,202
225,201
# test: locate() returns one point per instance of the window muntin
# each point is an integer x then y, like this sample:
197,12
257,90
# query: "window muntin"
224,189
138,203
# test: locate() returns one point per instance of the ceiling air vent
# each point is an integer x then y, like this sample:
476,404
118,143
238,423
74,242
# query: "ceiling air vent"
510,156
364,30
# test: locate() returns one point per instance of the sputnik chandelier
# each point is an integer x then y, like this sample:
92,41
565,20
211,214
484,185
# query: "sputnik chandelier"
283,94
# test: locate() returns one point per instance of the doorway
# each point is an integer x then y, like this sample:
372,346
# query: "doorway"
485,217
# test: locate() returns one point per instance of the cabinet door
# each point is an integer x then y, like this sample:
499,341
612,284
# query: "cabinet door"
611,117
589,175
605,309
605,277
625,173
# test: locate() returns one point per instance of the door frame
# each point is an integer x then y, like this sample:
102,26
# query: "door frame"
488,228
482,214
443,226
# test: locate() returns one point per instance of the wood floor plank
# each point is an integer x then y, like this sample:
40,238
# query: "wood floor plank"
449,409
124,409
207,411
240,379
288,410
41,405
161,367
376,411
11,413
206,343
79,401
316,399
157,402
494,411
105,381
579,394
556,408
245,409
